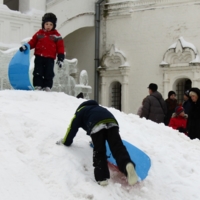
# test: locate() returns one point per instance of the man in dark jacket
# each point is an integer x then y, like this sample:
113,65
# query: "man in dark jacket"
154,107
102,126
193,124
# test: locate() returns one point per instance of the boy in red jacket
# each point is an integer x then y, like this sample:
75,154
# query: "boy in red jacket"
178,120
47,43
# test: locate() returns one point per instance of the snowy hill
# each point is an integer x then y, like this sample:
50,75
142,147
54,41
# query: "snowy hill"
33,167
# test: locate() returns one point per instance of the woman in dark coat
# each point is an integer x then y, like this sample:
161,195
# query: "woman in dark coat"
171,104
193,124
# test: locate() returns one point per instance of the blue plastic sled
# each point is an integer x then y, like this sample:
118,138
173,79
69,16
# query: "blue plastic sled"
18,70
141,160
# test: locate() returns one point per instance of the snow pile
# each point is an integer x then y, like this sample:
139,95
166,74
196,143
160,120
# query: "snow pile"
34,167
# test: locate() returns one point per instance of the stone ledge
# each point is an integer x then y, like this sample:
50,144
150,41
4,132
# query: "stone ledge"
127,7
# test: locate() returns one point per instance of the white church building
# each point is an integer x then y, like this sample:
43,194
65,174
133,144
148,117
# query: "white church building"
123,45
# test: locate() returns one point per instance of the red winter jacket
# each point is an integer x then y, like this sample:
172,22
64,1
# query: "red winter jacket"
47,43
178,122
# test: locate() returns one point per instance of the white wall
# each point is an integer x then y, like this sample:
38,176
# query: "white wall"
72,14
144,36
15,26
29,6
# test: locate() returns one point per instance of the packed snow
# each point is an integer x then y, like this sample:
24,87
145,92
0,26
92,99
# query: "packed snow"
34,167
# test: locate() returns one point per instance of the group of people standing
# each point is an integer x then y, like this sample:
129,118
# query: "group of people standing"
184,117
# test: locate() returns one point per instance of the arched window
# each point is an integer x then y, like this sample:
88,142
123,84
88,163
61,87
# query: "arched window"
116,95
181,86
180,68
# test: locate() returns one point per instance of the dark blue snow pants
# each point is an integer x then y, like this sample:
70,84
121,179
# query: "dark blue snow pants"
43,72
119,152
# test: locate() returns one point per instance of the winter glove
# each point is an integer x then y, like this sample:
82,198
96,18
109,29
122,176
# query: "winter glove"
60,142
59,63
23,48
60,60
181,130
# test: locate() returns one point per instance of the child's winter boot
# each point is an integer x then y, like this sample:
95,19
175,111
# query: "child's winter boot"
131,174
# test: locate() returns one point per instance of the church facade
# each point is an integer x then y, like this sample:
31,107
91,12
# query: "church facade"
148,41
141,42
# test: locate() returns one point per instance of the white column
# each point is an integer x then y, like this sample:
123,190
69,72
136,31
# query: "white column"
124,95
1,2
104,91
124,73
30,6
166,85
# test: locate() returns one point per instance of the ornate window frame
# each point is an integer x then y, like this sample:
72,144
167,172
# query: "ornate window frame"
114,68
180,61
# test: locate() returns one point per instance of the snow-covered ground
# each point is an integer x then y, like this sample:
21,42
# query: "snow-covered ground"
33,167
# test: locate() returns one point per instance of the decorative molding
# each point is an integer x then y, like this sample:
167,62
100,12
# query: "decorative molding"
127,7
181,53
114,59
114,68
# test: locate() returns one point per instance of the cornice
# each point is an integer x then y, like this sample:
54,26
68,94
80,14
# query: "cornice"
127,7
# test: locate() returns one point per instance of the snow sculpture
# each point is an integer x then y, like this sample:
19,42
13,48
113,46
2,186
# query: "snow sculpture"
181,53
64,80
83,86
5,57
83,79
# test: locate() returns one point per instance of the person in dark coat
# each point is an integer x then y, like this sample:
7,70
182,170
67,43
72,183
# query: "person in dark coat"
186,103
102,126
171,104
193,124
154,107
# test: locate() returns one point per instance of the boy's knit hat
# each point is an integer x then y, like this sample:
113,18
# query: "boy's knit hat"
186,93
49,17
179,109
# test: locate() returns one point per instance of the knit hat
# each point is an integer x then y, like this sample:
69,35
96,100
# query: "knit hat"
49,17
170,93
153,87
179,109
186,93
